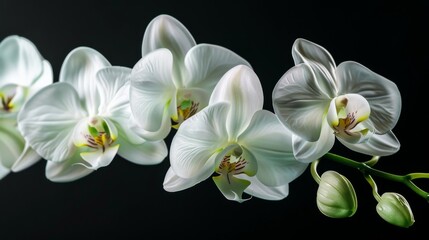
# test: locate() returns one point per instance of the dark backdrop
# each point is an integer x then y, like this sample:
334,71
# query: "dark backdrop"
124,199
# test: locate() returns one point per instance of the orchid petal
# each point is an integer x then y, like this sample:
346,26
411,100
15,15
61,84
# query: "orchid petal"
97,159
152,92
47,125
260,190
307,152
125,129
165,31
299,103
115,99
113,84
382,94
174,183
27,158
44,79
241,87
66,171
198,138
4,171
157,135
304,51
20,61
11,144
377,145
145,153
271,145
207,63
79,69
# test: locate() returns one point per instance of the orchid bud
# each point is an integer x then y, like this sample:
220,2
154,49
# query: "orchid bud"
336,197
394,208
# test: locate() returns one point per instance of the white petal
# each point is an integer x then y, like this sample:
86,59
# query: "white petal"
20,61
207,63
382,94
259,190
48,119
152,92
165,31
299,102
11,144
304,51
378,145
197,139
4,171
27,158
174,183
307,152
157,135
79,69
43,80
97,159
66,171
113,86
241,87
145,153
271,145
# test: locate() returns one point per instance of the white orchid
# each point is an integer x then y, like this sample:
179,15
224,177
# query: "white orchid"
81,122
320,102
23,71
246,146
174,78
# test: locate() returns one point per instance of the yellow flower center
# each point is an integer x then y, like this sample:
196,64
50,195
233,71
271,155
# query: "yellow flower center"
6,102
98,136
185,109
345,125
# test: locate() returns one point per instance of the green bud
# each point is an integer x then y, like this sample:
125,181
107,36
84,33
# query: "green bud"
336,197
394,208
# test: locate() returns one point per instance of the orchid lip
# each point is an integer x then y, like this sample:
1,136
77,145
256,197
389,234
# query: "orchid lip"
351,110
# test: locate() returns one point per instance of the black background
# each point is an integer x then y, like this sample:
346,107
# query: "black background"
125,199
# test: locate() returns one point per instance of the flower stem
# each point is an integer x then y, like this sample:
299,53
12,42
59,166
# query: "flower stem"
369,170
313,170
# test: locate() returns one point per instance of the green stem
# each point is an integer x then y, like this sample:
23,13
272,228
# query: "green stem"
313,170
374,187
368,170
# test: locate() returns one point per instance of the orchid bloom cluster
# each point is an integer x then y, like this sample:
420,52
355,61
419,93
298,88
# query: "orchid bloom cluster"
211,100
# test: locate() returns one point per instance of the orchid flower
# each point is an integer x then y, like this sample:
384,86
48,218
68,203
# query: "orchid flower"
81,122
237,140
174,78
23,71
320,102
